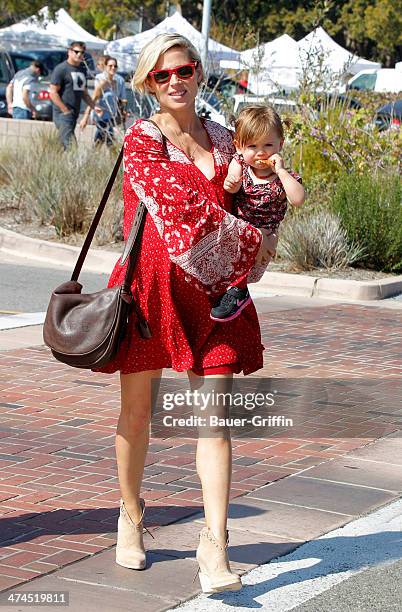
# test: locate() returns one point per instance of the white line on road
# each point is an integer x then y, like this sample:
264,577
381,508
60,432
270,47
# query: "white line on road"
315,567
23,319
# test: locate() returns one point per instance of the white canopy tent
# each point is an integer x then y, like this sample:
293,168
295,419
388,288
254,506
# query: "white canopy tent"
279,64
272,66
336,58
132,45
41,30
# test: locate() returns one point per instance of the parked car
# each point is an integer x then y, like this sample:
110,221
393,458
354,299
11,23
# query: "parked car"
282,105
389,115
13,61
343,100
385,79
3,102
226,86
206,109
6,74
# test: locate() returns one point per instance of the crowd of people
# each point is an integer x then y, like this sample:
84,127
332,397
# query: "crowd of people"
68,89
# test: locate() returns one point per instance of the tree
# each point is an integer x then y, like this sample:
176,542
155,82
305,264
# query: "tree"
104,17
12,11
384,27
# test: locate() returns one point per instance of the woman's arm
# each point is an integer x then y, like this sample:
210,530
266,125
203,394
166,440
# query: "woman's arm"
95,97
213,247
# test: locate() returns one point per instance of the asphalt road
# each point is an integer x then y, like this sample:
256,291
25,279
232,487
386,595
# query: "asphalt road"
26,286
355,568
378,588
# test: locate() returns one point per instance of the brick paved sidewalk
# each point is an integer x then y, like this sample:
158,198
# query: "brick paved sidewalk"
58,486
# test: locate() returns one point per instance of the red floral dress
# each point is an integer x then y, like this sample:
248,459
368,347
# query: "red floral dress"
192,250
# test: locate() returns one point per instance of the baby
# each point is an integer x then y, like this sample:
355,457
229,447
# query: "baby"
263,187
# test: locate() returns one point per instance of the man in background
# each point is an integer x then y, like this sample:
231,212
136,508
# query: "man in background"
19,104
68,87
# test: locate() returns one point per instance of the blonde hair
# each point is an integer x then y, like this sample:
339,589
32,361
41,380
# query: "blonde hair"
152,51
254,122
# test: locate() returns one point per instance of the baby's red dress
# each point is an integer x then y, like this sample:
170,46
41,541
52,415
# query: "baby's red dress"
192,249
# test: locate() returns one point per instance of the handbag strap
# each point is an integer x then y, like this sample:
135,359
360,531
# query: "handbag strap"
96,219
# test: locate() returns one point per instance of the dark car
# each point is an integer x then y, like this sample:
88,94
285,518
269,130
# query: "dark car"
389,115
13,61
6,74
332,100
3,102
226,86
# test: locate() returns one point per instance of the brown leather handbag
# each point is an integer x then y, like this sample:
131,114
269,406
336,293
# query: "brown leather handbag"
85,330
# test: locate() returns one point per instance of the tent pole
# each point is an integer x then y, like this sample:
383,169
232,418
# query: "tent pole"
206,21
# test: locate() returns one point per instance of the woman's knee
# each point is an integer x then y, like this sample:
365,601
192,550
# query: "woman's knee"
136,401
135,416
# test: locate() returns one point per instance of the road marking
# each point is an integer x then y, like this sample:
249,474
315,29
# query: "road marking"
21,319
291,580
10,312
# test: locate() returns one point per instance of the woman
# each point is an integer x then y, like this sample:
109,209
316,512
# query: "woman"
110,96
192,247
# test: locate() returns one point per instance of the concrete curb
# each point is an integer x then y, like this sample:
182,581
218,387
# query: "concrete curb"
273,282
54,252
313,286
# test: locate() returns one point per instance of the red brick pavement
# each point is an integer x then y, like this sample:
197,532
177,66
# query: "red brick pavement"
58,486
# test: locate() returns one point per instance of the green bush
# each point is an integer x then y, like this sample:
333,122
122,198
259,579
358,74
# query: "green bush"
316,240
332,138
370,208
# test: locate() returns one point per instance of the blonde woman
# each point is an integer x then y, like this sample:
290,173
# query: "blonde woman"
192,248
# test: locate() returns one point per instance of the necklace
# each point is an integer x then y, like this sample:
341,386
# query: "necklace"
190,154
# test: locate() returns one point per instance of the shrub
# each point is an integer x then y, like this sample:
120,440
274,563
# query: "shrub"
370,209
61,188
316,240
332,138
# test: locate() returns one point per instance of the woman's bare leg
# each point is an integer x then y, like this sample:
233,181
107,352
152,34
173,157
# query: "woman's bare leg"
132,436
214,458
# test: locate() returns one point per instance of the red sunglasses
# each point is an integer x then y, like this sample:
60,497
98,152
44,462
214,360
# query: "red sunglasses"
184,72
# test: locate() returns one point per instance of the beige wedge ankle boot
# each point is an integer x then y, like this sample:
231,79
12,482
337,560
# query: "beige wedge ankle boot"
214,569
130,551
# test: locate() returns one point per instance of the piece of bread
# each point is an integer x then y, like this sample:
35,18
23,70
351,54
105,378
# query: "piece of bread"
267,162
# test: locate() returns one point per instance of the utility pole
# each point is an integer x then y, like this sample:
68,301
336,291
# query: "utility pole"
206,22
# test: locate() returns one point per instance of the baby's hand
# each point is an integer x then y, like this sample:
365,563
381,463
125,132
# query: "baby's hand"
232,183
276,162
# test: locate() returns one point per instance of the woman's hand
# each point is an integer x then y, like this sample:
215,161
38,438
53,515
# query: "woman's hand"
267,247
84,122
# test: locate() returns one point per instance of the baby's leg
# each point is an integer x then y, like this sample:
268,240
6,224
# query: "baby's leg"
229,305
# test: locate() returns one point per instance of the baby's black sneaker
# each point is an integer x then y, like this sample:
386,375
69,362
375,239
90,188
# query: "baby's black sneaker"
230,304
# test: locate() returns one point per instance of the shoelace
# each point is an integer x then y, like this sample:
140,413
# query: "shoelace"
135,524
147,530
228,299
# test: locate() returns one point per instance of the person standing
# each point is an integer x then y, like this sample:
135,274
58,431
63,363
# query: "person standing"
17,93
192,246
68,87
110,95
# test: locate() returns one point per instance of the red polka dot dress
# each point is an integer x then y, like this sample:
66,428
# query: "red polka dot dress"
192,250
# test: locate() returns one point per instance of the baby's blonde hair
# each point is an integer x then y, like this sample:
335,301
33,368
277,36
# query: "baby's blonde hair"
152,51
254,122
